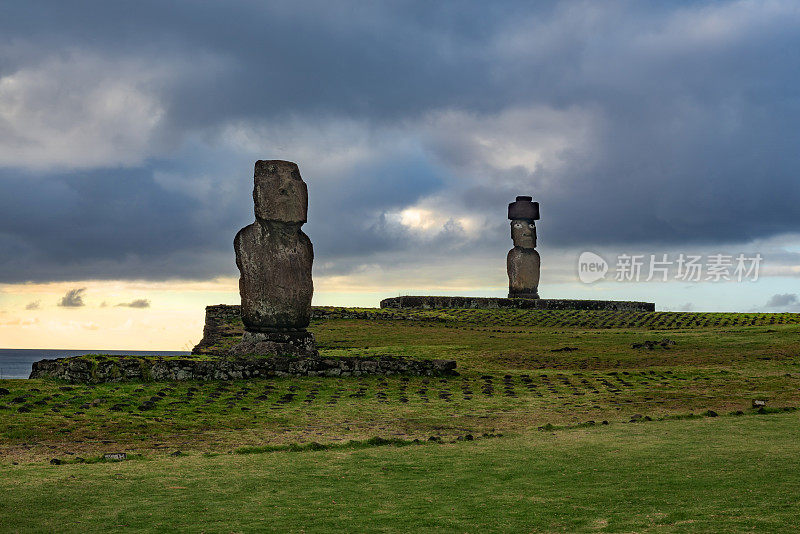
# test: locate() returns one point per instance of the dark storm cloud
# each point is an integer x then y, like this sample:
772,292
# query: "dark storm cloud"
279,58
138,303
677,125
103,224
73,298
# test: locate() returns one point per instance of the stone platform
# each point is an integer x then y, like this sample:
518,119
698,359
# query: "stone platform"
433,302
299,344
96,370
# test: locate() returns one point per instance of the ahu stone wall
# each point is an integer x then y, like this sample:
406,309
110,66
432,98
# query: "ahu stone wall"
93,370
223,323
433,302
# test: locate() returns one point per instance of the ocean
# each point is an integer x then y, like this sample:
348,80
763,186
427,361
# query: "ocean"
16,363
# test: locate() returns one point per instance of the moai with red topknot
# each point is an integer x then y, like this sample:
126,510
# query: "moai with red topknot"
523,261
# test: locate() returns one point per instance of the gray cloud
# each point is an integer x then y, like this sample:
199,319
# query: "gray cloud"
782,300
73,298
138,303
633,123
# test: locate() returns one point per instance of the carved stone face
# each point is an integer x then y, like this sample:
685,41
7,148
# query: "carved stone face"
523,233
280,194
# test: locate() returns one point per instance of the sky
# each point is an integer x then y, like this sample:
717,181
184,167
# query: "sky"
128,134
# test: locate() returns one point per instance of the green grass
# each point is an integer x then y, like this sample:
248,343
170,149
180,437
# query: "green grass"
391,453
512,378
485,320
376,441
567,318
720,474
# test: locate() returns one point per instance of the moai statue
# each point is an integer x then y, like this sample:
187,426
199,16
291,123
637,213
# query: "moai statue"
274,258
523,261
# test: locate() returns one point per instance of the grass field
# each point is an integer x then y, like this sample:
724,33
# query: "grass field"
516,442
725,474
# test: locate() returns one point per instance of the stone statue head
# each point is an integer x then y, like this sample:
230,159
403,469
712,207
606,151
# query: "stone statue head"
280,194
523,233
523,213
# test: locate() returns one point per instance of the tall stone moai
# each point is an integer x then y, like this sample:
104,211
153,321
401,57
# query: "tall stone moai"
274,258
523,260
